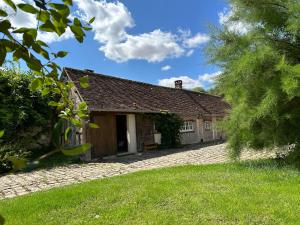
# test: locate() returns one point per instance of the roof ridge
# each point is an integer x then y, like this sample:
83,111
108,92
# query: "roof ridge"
134,81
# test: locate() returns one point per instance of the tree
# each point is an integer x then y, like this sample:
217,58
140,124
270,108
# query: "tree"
23,44
198,89
261,73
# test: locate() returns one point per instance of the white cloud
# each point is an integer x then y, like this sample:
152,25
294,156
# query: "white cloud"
187,82
210,77
190,52
166,68
195,41
153,47
21,19
239,27
112,19
206,79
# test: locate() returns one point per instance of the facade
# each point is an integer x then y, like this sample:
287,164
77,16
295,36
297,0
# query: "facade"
120,106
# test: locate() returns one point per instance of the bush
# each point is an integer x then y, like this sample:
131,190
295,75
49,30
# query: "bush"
25,116
169,126
8,150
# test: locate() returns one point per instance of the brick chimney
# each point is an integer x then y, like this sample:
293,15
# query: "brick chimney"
178,84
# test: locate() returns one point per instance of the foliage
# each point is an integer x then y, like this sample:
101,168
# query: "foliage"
11,150
210,194
21,109
261,73
169,126
23,44
24,115
198,89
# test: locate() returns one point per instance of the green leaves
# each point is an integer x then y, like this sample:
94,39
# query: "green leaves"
77,31
36,84
61,54
84,82
93,125
11,4
1,133
3,13
4,25
77,150
18,163
92,20
27,8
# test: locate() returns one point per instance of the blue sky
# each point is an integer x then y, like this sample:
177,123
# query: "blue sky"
154,41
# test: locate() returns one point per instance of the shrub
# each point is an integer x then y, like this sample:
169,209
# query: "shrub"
8,150
25,116
169,126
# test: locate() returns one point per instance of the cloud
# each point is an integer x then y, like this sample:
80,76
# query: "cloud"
187,82
239,27
166,68
152,47
206,79
113,19
210,77
21,19
190,52
195,41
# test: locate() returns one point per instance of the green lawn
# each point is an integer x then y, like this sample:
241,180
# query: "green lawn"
247,193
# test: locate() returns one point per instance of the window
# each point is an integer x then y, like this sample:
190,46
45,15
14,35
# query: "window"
187,126
207,125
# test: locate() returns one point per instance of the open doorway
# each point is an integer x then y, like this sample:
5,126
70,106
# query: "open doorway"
122,144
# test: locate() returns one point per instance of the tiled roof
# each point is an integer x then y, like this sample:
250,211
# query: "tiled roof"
107,93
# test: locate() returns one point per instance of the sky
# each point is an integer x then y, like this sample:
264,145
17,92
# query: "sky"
153,41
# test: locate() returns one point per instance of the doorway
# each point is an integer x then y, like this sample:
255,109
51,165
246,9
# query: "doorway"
122,144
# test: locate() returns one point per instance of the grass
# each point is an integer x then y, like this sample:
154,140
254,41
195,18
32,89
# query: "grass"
238,193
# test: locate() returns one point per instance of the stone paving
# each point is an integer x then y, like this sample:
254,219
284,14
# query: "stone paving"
22,183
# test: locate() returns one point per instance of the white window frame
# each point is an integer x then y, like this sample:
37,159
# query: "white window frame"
207,125
188,126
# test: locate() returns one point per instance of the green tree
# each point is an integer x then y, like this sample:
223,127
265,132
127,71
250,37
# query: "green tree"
261,73
23,45
198,89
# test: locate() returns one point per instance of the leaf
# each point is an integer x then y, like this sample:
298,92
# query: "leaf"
11,4
47,26
2,55
84,82
61,8
77,31
77,22
1,133
41,4
43,16
92,20
4,25
35,84
53,103
18,163
77,150
61,54
27,8
56,132
82,106
68,2
93,125
67,133
76,122
45,91
3,13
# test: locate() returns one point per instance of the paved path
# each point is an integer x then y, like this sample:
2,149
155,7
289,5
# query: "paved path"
23,183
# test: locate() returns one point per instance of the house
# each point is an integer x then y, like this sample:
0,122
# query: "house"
118,106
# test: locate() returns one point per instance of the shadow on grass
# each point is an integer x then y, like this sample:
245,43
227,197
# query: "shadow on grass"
288,161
